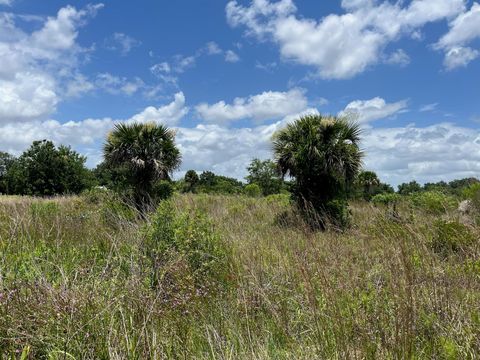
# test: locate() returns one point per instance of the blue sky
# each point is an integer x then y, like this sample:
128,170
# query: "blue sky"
228,74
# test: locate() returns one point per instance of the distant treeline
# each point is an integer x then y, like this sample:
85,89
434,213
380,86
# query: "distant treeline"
47,170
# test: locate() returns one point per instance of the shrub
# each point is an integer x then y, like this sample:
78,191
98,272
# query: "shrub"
174,238
433,202
162,190
252,190
386,199
281,199
472,193
451,237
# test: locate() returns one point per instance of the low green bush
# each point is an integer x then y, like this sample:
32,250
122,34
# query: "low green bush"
451,237
433,202
386,199
185,250
252,190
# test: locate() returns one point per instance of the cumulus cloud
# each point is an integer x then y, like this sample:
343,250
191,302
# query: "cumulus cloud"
86,134
28,62
339,46
169,114
265,106
365,111
463,30
438,152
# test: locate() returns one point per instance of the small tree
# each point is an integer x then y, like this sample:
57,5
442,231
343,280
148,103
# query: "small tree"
322,155
45,170
264,174
191,180
148,151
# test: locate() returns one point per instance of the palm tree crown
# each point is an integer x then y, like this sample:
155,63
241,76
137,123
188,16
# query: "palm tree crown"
321,153
147,149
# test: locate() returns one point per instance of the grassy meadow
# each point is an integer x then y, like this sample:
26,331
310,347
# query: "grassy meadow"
232,277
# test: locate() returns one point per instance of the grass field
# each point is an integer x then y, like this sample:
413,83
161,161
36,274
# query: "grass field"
84,278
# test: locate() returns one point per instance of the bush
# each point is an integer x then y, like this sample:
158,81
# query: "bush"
162,190
186,240
472,193
451,237
252,190
433,202
283,200
386,199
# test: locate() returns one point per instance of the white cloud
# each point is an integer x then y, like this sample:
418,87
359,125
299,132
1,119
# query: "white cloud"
118,85
6,2
365,111
399,57
34,66
339,46
86,134
427,154
231,56
459,57
122,42
429,107
464,29
265,106
169,114
212,48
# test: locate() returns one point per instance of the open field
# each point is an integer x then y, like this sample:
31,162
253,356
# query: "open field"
79,279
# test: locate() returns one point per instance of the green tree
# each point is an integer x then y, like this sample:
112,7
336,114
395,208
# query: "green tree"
6,162
45,170
409,188
149,153
191,180
265,175
367,182
322,155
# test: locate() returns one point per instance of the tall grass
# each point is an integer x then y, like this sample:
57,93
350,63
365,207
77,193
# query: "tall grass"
76,282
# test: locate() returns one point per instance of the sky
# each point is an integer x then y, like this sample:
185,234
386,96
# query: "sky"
228,74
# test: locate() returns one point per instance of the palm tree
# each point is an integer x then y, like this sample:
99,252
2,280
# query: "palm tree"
322,155
149,152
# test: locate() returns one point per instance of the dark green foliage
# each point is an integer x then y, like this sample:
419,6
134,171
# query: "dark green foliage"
191,180
322,155
162,190
45,170
6,162
265,175
113,177
149,153
210,183
451,237
409,188
367,185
